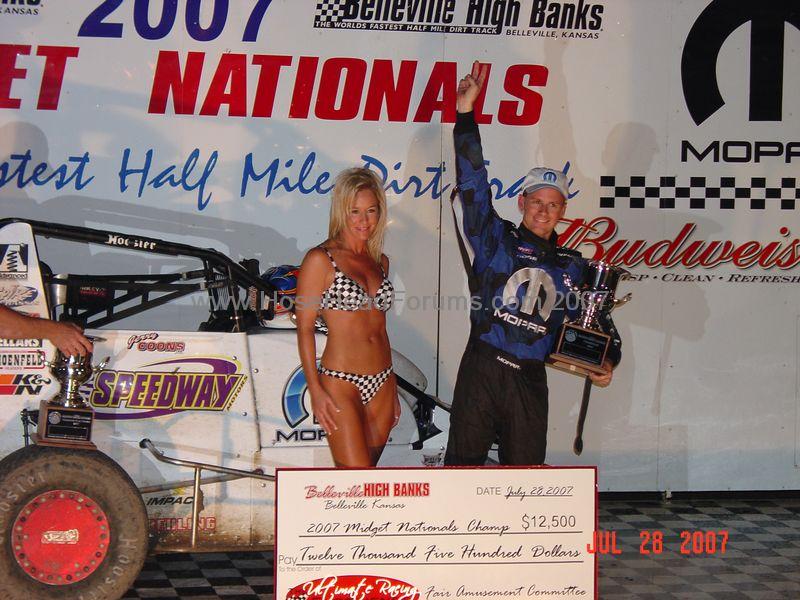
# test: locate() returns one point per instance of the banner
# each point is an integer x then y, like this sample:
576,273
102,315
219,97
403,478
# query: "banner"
223,124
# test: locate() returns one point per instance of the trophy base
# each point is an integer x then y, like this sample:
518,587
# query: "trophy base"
579,350
64,427
571,368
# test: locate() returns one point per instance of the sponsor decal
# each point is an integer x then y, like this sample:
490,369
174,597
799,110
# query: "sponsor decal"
370,490
153,392
4,343
536,281
767,24
71,537
508,363
22,360
168,524
13,261
149,342
20,7
740,151
347,587
295,412
169,500
15,296
540,296
703,44
530,18
598,240
23,384
294,409
125,241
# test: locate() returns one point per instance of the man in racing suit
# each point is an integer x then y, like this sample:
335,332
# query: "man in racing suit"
523,298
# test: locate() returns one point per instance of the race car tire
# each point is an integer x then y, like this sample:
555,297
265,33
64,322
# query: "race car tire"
72,526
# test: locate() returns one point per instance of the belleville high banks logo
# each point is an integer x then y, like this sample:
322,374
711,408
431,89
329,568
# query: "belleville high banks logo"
529,18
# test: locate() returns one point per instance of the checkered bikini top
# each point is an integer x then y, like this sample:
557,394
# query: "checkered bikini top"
346,294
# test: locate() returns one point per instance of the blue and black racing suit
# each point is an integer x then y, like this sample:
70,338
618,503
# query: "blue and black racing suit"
523,297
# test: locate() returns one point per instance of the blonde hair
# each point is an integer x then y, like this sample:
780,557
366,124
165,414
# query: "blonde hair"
348,183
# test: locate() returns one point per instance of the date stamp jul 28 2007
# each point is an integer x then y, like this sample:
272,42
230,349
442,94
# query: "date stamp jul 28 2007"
652,542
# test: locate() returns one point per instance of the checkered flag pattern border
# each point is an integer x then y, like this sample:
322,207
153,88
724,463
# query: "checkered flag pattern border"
329,11
233,576
724,193
760,561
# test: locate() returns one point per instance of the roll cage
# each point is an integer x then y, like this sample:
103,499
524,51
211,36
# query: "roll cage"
96,301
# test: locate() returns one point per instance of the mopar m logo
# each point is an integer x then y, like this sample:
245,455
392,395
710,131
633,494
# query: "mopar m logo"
540,294
295,412
538,281
701,89
704,42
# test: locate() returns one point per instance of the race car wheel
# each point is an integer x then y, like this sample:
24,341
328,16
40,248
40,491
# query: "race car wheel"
72,525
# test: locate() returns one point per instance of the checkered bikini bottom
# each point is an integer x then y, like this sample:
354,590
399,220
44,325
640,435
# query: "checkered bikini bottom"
368,385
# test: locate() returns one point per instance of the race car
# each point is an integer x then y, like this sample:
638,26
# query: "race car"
188,426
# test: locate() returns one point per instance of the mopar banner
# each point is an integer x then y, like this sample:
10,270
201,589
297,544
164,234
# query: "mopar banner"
222,124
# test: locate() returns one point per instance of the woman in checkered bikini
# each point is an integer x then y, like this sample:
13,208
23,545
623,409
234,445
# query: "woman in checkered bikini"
344,281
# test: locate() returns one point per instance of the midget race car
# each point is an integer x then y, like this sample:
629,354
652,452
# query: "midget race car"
189,426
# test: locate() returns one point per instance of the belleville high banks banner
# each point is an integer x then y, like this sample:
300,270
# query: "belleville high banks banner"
222,123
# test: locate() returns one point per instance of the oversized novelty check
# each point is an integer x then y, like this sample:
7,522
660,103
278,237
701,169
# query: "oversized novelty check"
435,534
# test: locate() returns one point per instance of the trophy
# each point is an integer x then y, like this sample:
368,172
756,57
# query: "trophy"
66,419
581,344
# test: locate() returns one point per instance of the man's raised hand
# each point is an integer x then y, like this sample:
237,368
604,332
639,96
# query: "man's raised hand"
469,88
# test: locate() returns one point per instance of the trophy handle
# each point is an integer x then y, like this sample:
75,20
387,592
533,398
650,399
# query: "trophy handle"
620,301
102,364
45,362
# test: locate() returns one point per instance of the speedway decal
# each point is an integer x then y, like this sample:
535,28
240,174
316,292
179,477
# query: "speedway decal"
152,393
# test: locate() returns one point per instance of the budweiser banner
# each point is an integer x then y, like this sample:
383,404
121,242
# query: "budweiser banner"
222,124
